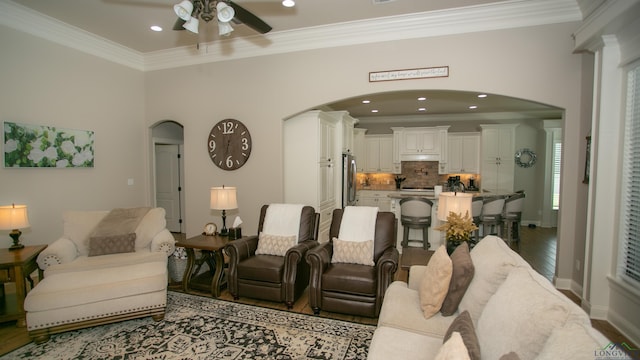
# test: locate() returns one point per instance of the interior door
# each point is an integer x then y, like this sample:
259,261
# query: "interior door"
168,186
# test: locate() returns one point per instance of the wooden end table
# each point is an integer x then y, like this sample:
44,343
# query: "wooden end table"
19,264
414,256
211,249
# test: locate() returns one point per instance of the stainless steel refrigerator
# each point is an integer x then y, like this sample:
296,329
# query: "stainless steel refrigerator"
348,180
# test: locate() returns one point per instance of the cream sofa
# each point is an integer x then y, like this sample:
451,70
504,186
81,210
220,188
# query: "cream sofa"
512,307
79,290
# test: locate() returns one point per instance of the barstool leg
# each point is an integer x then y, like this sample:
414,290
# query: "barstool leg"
405,237
425,238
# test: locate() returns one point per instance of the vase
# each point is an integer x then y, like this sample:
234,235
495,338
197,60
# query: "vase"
452,245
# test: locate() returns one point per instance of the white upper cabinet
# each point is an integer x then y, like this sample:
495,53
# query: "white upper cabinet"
378,153
463,155
346,124
420,144
359,148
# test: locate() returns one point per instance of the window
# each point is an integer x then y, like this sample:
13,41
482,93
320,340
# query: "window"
557,166
629,249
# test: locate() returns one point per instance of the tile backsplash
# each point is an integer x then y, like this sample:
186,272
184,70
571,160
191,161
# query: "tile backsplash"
417,174
420,173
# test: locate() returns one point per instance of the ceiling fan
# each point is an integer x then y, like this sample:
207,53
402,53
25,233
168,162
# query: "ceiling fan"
226,11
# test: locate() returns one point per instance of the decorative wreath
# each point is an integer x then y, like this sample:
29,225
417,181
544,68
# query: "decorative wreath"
525,158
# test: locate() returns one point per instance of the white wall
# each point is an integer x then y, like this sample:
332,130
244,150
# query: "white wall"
531,63
71,89
48,84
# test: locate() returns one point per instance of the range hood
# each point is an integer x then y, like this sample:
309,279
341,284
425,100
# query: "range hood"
419,157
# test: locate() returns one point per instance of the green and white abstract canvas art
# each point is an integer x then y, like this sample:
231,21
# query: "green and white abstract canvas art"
27,145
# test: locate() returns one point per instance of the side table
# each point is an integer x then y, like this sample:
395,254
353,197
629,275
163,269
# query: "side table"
211,250
19,264
414,256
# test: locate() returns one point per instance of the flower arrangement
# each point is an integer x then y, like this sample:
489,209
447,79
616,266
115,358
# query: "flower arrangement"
458,228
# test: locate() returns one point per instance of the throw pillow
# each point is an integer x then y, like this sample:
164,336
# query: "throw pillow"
352,252
114,244
461,277
275,244
464,325
435,282
453,349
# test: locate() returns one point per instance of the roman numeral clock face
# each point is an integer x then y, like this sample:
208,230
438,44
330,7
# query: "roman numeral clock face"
229,144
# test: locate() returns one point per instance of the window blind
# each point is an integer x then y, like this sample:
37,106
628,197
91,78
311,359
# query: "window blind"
629,259
557,167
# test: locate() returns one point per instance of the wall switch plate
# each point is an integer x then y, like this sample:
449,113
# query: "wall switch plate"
129,182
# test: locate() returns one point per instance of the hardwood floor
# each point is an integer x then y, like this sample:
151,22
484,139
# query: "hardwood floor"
537,246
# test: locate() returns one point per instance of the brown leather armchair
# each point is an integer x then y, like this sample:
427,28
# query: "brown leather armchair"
269,277
351,288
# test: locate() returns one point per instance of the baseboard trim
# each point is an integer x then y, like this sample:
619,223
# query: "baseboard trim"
626,328
564,284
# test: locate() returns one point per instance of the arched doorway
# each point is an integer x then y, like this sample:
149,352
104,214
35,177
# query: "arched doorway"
167,141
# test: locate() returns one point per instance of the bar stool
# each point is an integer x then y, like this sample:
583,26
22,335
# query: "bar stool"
415,213
476,212
492,215
513,216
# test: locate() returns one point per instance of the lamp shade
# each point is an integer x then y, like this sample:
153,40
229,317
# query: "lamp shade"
13,217
224,28
183,9
456,202
223,198
192,25
225,12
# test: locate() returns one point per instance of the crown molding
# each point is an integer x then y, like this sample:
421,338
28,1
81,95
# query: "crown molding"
494,16
452,118
26,20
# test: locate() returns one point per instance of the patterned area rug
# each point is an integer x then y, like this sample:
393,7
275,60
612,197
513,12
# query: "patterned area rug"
203,328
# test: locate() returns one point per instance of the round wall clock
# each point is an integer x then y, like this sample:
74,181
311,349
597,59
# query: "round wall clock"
229,144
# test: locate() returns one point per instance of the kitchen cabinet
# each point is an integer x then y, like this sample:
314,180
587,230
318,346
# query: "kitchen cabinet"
312,164
376,198
463,155
421,144
497,166
359,148
378,153
346,125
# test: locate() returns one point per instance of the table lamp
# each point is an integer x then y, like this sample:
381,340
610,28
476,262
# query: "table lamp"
14,217
223,198
457,202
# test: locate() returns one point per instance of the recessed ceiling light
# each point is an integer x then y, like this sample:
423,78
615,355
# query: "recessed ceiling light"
422,98
422,109
156,28
482,95
374,110
473,107
366,101
288,3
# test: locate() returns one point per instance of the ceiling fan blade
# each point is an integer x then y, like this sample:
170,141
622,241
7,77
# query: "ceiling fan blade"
178,24
246,17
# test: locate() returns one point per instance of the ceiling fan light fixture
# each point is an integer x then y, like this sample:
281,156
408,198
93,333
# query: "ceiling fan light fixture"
183,9
224,28
288,3
192,25
225,12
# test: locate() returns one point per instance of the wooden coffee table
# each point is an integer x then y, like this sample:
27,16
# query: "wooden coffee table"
19,264
211,255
